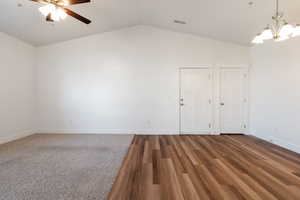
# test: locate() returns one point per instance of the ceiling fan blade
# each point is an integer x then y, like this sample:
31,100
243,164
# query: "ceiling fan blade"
73,2
77,16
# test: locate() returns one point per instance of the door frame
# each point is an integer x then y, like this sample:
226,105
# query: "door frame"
246,83
211,69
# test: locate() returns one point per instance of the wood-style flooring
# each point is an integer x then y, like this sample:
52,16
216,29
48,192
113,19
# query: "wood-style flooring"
207,167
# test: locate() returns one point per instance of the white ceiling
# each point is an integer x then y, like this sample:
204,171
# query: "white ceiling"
227,20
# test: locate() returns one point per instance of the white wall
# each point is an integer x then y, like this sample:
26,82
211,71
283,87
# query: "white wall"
275,92
17,95
124,81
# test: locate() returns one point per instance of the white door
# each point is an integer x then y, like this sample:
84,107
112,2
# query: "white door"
195,101
233,100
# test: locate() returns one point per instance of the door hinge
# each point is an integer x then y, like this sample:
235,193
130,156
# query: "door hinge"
245,126
209,125
209,101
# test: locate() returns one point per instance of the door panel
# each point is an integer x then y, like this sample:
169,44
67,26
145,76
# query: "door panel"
232,100
195,100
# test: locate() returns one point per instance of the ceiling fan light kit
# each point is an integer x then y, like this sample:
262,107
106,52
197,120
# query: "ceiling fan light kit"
279,30
55,13
54,10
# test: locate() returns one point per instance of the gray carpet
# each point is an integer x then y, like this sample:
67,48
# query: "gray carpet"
61,167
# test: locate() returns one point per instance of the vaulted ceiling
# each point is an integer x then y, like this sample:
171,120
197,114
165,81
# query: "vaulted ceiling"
227,20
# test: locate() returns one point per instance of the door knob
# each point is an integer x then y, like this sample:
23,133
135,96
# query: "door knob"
181,104
222,104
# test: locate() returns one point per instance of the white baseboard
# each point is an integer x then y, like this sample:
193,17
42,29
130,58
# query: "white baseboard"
15,135
281,142
201,132
108,131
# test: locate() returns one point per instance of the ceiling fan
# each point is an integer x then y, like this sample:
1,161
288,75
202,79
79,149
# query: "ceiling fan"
54,10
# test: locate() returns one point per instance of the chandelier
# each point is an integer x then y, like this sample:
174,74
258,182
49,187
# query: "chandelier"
279,30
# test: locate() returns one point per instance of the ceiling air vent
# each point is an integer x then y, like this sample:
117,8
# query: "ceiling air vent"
179,22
